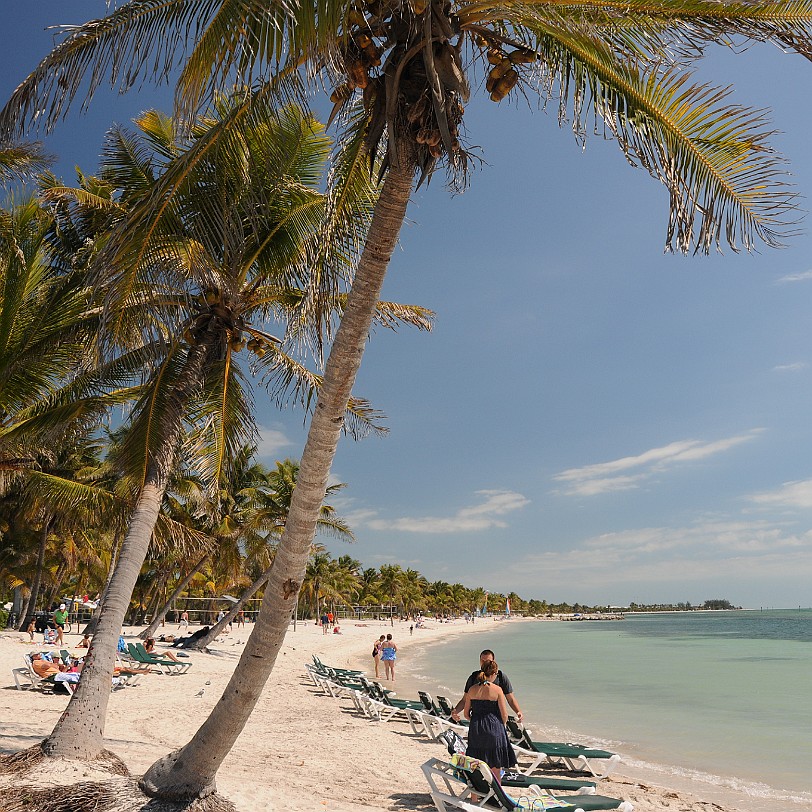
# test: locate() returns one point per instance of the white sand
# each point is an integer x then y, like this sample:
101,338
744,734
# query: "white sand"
301,750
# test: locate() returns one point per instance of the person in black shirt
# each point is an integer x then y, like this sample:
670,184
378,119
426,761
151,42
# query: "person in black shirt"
501,680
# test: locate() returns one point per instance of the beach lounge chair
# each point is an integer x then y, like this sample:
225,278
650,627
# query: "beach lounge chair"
22,680
513,778
44,684
140,655
148,658
458,782
575,757
429,705
436,722
349,672
446,709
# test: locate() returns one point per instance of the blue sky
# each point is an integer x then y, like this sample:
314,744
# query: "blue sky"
591,419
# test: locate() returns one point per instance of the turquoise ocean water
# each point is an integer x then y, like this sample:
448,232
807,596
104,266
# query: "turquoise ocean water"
718,703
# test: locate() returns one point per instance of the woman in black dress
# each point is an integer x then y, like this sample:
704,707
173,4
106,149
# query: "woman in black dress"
486,707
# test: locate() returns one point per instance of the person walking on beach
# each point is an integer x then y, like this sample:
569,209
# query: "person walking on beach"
376,654
60,619
388,656
501,680
324,622
485,706
184,621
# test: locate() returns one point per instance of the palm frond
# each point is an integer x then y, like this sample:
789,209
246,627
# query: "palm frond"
22,160
724,181
290,382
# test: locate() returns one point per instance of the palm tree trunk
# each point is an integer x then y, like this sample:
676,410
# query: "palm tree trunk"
56,588
151,599
190,772
94,620
248,593
35,586
18,606
80,730
161,613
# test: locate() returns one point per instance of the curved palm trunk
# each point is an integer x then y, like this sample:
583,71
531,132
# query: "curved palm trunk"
161,614
248,593
35,586
151,599
19,606
190,771
80,730
94,620
56,588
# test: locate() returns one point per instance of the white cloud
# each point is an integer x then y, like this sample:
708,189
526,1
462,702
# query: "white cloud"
790,495
796,277
481,516
798,365
271,442
599,478
651,561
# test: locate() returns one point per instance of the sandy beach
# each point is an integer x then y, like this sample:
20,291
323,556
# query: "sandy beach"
301,750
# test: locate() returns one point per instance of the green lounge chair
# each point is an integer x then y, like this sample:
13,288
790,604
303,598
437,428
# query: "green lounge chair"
575,757
345,671
513,778
463,778
140,655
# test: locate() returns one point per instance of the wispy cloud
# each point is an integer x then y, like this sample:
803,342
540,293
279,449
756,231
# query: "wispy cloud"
605,477
487,513
804,276
798,365
271,442
790,495
643,562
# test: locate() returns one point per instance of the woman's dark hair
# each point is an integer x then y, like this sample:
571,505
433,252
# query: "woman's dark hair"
488,670
388,636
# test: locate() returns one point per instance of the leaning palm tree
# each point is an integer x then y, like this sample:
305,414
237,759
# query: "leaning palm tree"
230,251
619,63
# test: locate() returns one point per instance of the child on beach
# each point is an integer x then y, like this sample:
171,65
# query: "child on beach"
376,654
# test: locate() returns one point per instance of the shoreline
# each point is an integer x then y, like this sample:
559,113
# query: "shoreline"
301,750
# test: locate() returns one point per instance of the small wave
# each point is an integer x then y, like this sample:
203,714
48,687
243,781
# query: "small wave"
752,789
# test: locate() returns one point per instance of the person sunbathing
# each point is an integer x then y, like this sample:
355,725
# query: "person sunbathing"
45,668
149,646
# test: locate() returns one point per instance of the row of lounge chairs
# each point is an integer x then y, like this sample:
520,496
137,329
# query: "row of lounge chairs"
460,782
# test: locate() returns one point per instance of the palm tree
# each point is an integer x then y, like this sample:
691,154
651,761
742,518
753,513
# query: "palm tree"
211,270
269,514
391,581
615,62
317,574
412,591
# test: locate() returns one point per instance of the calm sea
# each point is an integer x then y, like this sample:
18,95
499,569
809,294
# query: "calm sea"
716,703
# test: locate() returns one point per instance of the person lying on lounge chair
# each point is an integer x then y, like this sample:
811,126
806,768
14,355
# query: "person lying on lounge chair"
45,668
149,645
